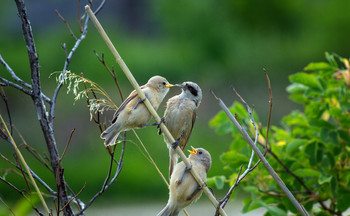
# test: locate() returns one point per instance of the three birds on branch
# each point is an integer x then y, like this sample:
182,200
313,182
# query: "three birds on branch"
179,118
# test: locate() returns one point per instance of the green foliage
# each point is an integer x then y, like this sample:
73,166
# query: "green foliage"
310,150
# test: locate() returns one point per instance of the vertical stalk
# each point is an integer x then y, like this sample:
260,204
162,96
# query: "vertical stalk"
134,83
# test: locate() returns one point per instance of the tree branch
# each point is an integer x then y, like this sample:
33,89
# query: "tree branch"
45,123
107,184
276,177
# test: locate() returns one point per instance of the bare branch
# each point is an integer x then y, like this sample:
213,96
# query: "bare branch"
7,207
18,80
111,72
5,82
13,74
223,202
21,193
270,111
69,58
67,24
4,98
106,185
276,177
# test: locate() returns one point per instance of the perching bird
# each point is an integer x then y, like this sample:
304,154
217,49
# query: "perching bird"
132,113
184,189
179,117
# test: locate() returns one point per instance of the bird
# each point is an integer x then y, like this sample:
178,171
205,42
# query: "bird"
179,118
132,113
184,189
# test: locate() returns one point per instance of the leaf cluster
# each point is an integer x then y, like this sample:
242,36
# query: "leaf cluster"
310,150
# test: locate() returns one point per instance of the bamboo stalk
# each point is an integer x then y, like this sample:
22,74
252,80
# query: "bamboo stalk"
26,167
134,83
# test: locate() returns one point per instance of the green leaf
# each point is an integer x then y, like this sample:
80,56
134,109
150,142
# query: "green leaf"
318,66
324,179
273,210
305,79
250,205
293,146
315,110
233,157
211,181
296,88
299,98
311,151
344,135
307,172
220,182
330,58
343,202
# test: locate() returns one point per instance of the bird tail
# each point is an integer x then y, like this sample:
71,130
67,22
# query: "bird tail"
110,135
169,211
173,160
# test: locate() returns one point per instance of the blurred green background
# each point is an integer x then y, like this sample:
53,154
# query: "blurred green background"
213,43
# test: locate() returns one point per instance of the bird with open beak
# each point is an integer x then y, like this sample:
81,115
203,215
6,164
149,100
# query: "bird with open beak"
180,116
184,189
132,113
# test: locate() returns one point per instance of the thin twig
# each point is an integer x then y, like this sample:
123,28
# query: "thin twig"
67,24
8,207
19,80
106,186
73,198
224,201
111,72
270,111
68,59
32,150
27,168
33,174
22,172
4,98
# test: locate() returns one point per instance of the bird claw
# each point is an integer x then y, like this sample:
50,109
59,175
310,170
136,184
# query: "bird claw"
176,144
183,174
138,102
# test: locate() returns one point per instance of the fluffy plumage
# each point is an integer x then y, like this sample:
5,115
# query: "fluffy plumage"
180,116
188,191
132,113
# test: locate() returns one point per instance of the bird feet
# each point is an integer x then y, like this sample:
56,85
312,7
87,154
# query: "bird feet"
176,144
183,174
162,120
138,102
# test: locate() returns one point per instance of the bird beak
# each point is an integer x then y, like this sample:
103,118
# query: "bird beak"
179,85
193,152
169,85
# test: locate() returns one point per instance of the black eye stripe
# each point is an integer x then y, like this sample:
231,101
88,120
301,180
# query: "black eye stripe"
192,90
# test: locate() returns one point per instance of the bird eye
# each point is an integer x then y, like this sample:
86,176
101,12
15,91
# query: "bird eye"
163,83
200,152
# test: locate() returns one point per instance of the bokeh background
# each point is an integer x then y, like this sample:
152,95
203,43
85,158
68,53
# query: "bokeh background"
213,43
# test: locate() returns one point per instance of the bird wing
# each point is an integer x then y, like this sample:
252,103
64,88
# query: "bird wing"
132,95
190,132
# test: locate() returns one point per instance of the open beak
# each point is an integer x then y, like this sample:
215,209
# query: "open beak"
169,85
193,152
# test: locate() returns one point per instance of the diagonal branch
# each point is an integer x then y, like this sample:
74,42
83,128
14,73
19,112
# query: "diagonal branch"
69,58
272,172
149,106
19,81
107,184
